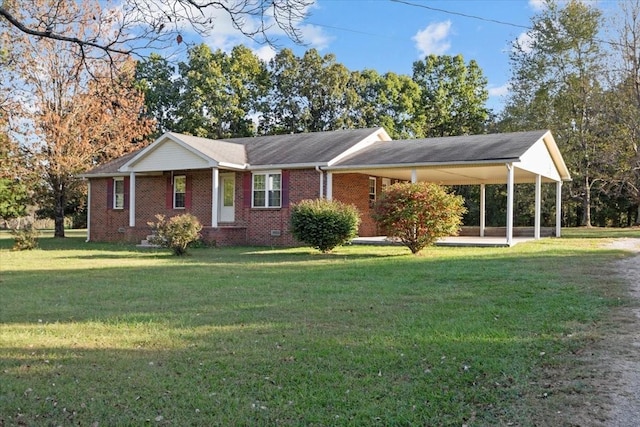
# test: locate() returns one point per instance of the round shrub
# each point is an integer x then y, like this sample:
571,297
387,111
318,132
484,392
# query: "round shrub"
419,214
177,233
324,224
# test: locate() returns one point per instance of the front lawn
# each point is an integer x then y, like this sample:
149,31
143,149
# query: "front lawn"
114,335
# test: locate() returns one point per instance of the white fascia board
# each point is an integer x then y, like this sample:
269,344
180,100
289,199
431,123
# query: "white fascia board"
287,166
422,165
378,135
102,175
130,165
233,166
554,151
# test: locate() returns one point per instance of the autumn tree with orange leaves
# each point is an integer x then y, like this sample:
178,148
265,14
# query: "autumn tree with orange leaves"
76,110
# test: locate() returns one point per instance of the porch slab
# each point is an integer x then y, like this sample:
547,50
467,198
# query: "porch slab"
459,241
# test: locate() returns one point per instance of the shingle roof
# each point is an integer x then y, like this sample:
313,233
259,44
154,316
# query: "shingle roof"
455,149
220,150
300,148
111,168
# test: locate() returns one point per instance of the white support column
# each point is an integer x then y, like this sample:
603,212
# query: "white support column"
538,204
215,196
483,208
132,199
414,176
558,207
510,193
329,185
88,210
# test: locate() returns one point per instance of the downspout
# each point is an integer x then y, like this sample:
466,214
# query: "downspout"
321,181
88,210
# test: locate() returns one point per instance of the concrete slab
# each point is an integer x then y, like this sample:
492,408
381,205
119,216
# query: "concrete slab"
460,241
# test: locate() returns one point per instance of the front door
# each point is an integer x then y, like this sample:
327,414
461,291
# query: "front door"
227,197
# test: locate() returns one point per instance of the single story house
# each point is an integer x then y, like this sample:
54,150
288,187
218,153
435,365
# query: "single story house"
241,189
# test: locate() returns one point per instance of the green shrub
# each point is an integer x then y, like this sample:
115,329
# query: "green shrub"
178,233
419,214
324,224
25,238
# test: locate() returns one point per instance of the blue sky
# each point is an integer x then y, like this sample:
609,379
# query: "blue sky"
388,35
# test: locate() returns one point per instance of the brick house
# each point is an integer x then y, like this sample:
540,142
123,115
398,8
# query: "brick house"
241,189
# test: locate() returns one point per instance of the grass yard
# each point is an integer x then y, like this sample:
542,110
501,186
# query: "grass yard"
113,335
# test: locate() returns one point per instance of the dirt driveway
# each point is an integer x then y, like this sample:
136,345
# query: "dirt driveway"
621,351
610,371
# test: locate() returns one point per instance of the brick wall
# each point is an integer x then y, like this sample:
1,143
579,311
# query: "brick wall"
353,188
253,226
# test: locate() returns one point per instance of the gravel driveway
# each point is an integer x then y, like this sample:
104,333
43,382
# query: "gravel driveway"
621,354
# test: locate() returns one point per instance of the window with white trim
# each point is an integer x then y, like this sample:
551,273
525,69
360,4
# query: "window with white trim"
267,190
179,191
372,191
118,193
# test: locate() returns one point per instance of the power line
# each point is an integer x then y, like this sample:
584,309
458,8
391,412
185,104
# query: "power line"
465,15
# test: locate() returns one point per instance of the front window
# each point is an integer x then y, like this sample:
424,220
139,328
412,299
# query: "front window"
118,193
179,191
372,191
267,190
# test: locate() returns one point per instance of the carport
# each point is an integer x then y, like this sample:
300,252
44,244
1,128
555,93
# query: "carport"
508,158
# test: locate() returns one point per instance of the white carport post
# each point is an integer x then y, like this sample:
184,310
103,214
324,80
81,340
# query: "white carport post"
414,176
132,199
329,185
510,203
215,190
538,203
483,196
558,207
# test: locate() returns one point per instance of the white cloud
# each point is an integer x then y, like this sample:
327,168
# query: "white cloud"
499,90
525,41
265,53
537,5
433,39
315,36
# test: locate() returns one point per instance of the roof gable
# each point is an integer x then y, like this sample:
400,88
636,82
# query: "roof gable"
174,151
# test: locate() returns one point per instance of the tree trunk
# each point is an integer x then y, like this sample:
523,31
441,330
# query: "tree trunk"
59,211
586,204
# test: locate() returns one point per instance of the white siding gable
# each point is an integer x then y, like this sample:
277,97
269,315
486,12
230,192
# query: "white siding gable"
170,155
537,159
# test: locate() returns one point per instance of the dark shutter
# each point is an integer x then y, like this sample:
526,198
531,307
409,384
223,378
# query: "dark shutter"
110,193
187,194
246,190
169,192
126,192
285,189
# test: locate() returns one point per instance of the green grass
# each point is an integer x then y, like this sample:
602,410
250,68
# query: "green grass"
254,336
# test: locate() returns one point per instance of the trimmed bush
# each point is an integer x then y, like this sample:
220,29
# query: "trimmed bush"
25,238
324,224
178,233
419,214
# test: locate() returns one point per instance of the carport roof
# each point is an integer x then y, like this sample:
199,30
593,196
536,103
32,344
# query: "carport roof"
468,159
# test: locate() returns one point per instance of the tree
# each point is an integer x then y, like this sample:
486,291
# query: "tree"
625,97
139,26
80,111
453,96
556,84
308,94
154,77
388,100
419,213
